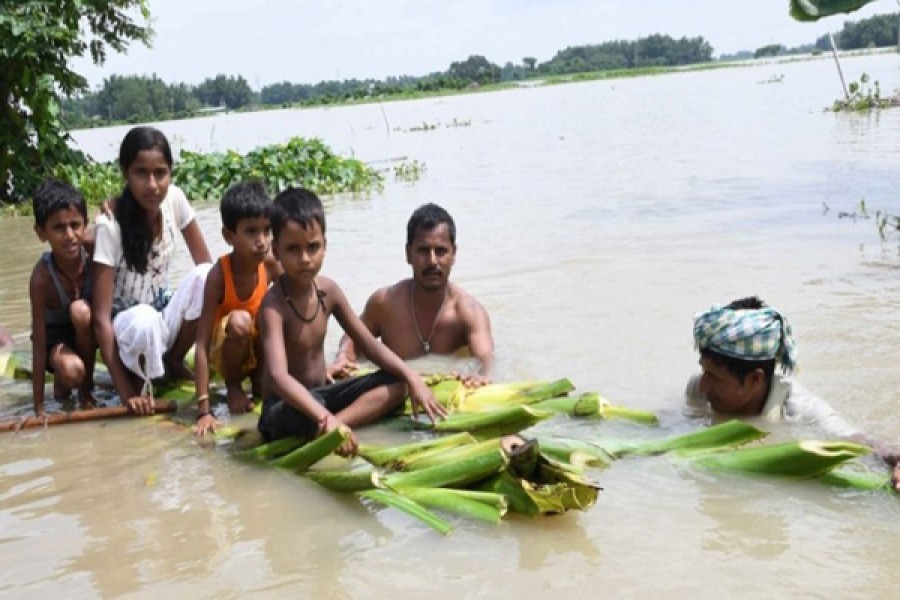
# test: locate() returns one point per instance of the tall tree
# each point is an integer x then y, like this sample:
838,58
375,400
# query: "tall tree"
40,38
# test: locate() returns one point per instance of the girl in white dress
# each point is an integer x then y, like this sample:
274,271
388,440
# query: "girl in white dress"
143,329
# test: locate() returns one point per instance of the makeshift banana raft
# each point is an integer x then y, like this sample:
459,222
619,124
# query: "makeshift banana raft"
476,465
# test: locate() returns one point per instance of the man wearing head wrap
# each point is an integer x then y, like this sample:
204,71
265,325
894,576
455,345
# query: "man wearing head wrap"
740,345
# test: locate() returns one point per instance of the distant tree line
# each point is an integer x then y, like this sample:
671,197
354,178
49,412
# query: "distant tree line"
148,98
143,98
875,32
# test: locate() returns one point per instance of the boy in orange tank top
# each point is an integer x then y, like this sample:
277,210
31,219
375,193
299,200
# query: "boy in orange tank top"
227,339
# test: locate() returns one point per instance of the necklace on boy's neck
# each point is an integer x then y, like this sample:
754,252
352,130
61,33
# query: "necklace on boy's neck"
319,301
78,281
426,343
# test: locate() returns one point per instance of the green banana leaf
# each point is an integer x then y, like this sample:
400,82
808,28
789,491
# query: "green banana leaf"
410,507
730,433
813,10
576,452
799,459
863,481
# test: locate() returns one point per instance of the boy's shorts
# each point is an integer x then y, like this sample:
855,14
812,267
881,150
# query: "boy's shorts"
56,335
279,419
215,348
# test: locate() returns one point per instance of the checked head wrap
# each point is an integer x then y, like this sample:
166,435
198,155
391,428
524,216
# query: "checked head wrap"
746,334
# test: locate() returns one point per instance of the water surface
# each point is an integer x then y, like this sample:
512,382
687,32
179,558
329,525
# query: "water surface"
594,220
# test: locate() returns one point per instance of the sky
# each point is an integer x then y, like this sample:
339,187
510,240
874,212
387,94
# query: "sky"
307,41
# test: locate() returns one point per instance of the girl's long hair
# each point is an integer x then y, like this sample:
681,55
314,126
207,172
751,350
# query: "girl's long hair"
137,237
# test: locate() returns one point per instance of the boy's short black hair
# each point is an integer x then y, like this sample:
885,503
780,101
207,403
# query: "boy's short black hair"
53,195
299,205
428,216
245,200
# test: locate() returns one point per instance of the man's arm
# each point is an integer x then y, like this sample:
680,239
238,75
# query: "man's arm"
382,356
213,293
479,338
345,361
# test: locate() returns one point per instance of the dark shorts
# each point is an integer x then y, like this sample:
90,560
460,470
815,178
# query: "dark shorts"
279,419
58,334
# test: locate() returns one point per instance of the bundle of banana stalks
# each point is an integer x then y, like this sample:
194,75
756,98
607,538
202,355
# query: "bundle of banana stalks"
455,474
546,398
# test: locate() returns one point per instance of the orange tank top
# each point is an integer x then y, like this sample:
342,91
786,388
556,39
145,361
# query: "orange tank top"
230,300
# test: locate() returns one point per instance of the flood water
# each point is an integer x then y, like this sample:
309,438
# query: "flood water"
594,219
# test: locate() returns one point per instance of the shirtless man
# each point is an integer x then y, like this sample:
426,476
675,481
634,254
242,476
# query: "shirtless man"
426,313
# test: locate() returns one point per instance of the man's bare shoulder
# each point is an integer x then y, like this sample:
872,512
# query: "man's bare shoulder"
390,294
466,303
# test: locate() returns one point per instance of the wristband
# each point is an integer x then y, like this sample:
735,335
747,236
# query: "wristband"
200,415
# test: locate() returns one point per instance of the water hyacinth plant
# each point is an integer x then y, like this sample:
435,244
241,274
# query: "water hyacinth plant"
202,176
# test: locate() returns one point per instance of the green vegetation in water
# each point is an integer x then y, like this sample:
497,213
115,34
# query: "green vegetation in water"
299,161
409,170
865,97
888,224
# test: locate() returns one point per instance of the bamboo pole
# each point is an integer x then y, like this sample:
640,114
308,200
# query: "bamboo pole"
838,63
81,416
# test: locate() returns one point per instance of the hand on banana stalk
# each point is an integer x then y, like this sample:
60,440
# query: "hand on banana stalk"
472,380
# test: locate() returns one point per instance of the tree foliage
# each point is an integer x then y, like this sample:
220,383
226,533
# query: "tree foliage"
39,39
875,32
652,51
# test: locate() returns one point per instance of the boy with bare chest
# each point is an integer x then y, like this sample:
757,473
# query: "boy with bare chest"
293,322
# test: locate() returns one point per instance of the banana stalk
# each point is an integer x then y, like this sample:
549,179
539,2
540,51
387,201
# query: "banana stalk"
410,507
346,481
495,423
456,474
496,395
307,455
730,433
393,455
585,405
274,449
800,459
484,506
443,456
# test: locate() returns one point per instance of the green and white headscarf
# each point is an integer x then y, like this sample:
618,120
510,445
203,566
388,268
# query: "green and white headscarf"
746,334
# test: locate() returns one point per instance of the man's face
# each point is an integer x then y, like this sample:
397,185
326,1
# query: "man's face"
431,256
726,393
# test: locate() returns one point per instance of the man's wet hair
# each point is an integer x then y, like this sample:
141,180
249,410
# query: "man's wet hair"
738,367
245,200
53,195
427,217
299,205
